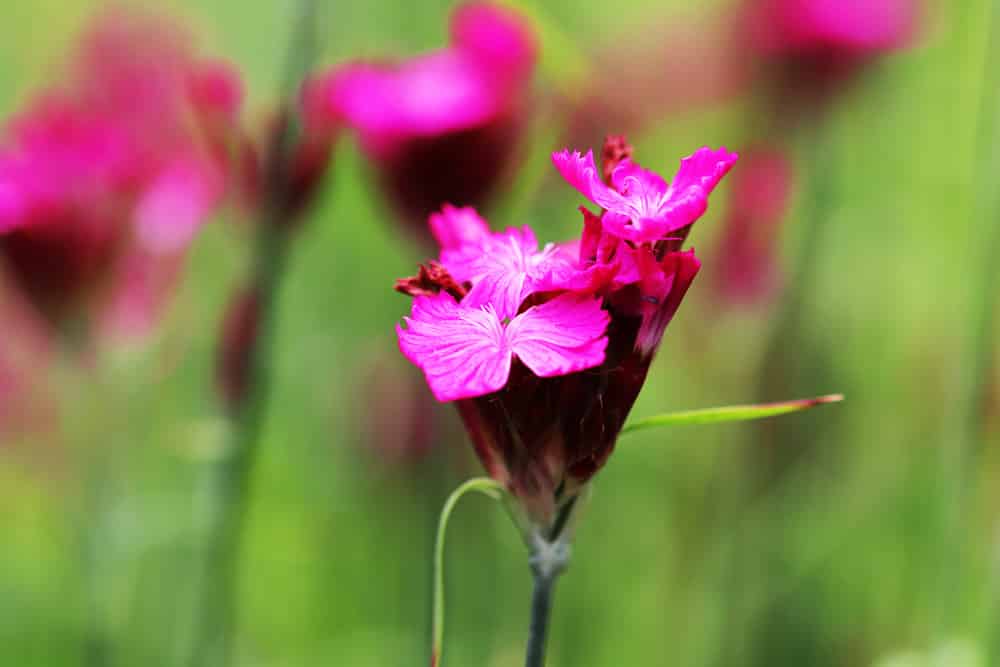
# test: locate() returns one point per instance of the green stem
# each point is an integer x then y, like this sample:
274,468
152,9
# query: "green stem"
985,248
548,560
483,485
541,609
226,491
975,364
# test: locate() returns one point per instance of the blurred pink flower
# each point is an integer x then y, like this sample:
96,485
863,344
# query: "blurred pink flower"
441,127
759,200
545,350
117,166
809,49
845,28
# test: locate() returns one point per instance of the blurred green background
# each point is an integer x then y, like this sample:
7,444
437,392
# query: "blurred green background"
874,542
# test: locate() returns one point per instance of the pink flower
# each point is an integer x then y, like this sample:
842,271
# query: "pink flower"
808,50
545,350
467,351
639,205
848,27
443,126
121,164
761,191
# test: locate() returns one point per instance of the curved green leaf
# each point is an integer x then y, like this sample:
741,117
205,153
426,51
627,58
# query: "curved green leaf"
731,413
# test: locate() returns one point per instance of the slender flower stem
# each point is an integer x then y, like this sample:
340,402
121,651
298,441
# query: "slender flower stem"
483,485
985,247
541,608
224,497
549,557
975,363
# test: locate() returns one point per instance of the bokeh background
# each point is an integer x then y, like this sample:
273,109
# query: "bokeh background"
858,534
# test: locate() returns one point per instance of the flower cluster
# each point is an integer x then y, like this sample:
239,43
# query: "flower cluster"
545,349
440,127
105,179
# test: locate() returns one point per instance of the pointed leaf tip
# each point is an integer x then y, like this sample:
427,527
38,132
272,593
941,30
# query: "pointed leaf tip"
731,413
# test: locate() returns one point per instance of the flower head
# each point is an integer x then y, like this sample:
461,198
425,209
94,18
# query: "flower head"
443,126
809,49
639,205
117,166
545,349
844,27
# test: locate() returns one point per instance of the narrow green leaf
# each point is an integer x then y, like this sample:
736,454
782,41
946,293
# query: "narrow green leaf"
731,413
483,485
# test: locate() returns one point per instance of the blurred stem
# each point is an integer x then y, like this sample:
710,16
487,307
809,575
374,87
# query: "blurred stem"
985,249
802,281
224,501
964,454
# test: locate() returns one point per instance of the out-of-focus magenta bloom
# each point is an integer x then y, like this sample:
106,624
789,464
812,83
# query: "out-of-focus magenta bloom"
545,350
759,200
811,47
846,27
109,175
443,126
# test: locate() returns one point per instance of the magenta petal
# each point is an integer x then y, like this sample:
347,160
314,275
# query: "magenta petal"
501,39
503,269
503,290
667,288
641,185
581,172
462,351
560,336
438,92
454,227
639,230
703,170
177,202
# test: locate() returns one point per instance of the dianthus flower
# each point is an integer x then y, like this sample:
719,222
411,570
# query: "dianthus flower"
759,200
545,349
443,126
810,47
105,179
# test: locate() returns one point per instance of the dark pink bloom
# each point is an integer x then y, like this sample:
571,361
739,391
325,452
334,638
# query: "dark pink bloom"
639,205
119,165
545,350
760,194
443,126
809,49
467,351
843,27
